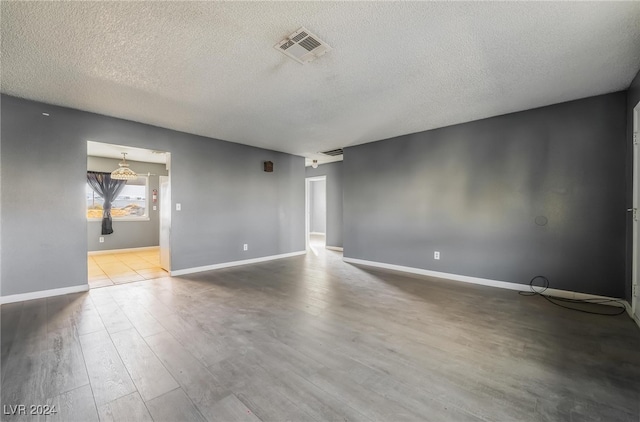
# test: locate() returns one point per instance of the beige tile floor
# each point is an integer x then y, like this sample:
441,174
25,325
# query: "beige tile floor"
119,268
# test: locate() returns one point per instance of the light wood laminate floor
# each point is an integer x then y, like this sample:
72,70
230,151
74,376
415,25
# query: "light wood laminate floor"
311,338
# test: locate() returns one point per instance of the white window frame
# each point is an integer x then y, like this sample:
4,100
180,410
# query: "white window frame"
144,217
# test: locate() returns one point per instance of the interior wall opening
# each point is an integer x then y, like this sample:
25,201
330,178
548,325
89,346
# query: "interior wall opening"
124,224
316,204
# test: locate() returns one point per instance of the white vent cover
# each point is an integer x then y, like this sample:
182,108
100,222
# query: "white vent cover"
333,152
302,46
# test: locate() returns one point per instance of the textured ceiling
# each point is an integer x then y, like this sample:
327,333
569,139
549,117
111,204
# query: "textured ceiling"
210,68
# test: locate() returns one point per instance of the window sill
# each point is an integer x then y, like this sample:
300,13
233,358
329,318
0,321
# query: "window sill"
115,220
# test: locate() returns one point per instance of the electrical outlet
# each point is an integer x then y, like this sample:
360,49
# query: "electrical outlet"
246,247
635,290
436,255
178,207
101,239
155,208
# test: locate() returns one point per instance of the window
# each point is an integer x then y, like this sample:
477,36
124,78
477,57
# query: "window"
131,204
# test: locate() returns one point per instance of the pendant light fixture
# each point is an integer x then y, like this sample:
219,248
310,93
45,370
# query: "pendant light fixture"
315,164
124,172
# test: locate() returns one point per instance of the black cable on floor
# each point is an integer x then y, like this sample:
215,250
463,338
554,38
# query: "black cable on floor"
555,299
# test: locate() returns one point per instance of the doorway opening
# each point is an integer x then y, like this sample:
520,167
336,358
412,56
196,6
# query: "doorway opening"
316,213
137,249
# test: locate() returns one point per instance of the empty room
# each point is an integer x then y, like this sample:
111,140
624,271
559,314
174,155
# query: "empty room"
319,211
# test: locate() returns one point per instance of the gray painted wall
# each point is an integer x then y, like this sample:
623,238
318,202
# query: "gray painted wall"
633,97
333,171
127,234
473,192
226,198
318,206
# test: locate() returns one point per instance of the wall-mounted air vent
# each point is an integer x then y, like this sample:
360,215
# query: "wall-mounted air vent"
333,152
302,46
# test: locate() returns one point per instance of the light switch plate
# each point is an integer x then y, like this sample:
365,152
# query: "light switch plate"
178,207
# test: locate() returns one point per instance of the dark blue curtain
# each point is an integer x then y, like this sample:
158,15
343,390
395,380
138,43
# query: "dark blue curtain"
108,189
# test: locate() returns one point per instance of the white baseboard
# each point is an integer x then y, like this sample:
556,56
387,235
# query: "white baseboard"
335,248
43,293
235,263
113,251
567,294
317,233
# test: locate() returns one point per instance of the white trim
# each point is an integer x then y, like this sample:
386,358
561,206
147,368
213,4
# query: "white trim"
127,250
567,294
634,226
164,218
317,233
235,263
43,293
635,318
306,213
631,313
115,219
335,248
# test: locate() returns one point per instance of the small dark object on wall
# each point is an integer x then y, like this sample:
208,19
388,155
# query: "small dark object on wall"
268,166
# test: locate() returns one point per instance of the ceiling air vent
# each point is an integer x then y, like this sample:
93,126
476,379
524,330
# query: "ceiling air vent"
333,152
302,46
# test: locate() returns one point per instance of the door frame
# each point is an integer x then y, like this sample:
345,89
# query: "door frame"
165,208
635,271
307,209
